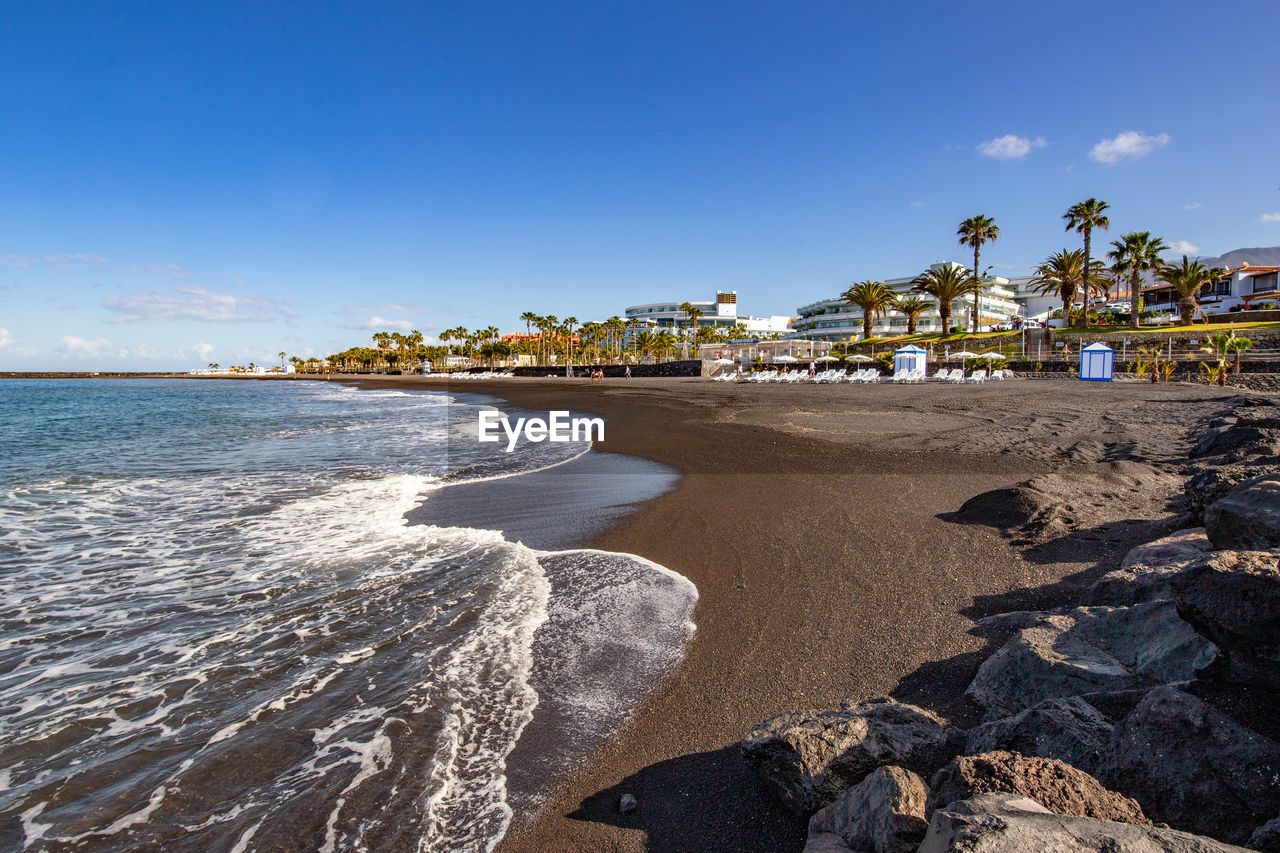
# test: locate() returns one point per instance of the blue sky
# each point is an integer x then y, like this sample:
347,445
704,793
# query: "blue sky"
194,182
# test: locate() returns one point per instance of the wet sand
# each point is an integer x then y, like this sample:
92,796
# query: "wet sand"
822,527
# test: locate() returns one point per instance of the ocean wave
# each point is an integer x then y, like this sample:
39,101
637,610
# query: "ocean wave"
208,658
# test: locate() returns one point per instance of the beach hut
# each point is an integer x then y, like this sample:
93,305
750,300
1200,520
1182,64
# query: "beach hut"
1097,361
908,358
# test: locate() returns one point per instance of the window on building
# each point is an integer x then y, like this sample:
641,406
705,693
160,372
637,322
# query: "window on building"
1224,287
1264,283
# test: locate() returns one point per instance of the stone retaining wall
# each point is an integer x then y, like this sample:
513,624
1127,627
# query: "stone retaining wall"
666,368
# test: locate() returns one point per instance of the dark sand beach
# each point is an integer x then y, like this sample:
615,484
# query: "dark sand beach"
843,540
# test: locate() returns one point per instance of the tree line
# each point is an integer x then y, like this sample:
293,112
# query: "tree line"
1070,274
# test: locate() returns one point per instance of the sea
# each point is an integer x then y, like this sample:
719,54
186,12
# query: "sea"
219,631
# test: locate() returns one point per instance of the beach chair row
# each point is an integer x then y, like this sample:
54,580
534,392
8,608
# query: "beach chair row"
488,374
957,375
867,375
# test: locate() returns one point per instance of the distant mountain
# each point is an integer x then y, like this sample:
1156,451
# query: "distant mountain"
1262,257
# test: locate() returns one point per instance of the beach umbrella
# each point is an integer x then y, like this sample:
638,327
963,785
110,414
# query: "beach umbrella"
826,358
964,353
787,358
859,357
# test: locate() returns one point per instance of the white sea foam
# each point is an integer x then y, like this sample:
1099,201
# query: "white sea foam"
239,639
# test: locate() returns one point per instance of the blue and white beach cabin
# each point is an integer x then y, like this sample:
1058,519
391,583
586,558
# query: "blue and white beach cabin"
908,358
1097,361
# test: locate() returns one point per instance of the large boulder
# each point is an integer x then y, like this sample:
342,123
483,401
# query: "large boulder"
1253,437
884,813
1068,729
1193,767
810,758
1247,518
1233,598
1209,484
1266,838
1056,785
1008,823
1144,573
1089,650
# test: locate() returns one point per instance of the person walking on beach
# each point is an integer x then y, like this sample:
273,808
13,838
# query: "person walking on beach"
813,370
628,373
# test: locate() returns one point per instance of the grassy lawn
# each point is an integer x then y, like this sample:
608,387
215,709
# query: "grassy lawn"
985,339
1199,327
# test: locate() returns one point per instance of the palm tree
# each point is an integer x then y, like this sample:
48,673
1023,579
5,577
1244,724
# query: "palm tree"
1131,256
549,323
645,343
873,297
1220,345
1082,218
913,307
1238,346
665,341
616,326
691,313
945,283
973,232
1062,274
1187,278
569,323
529,319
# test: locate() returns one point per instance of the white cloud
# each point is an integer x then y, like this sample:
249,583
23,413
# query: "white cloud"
192,302
1183,247
1195,205
84,348
1129,145
393,308
1010,146
383,324
61,261
200,351
1269,217
6,339
169,271
146,351
917,204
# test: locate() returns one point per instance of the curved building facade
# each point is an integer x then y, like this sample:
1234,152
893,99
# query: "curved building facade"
721,313
834,320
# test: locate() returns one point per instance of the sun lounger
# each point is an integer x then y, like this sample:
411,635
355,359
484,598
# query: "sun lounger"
978,377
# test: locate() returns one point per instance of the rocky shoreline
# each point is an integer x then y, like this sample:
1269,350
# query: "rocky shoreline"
1143,718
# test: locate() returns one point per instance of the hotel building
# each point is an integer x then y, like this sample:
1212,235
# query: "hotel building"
722,313
834,320
1243,285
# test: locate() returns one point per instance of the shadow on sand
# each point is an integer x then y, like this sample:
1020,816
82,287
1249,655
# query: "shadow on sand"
703,801
939,685
712,801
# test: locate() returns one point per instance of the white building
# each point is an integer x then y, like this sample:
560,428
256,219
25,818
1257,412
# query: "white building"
1241,286
834,320
1034,305
722,313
